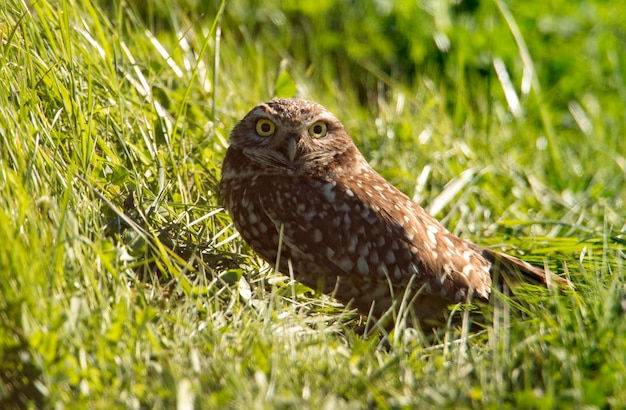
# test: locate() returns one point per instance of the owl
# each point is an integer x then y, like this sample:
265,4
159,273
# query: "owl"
304,198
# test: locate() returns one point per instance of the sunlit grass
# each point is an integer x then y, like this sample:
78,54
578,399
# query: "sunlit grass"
125,284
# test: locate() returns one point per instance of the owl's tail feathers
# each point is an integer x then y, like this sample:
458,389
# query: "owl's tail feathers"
513,270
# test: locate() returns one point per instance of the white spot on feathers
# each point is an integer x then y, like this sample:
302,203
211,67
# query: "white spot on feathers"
317,235
328,192
252,218
390,257
362,266
431,237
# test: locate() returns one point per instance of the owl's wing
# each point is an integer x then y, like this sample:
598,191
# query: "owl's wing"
367,227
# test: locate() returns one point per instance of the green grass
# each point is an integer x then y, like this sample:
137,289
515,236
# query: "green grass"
125,285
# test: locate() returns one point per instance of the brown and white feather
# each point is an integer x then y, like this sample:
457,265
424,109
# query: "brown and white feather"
345,230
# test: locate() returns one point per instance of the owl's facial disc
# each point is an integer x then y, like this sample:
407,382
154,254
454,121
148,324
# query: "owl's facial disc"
295,142
290,137
287,141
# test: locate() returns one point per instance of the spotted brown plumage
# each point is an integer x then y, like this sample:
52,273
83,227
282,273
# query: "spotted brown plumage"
296,185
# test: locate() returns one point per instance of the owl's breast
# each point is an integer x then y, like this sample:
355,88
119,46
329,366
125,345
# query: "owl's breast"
273,214
241,198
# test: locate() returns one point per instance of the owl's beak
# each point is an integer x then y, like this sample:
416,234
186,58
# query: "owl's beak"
292,147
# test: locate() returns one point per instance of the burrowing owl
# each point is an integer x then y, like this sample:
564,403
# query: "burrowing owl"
304,198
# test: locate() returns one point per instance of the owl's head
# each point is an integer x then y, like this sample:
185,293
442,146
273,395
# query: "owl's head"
292,135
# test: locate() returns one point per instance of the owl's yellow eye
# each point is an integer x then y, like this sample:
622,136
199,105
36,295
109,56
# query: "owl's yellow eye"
265,127
318,129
